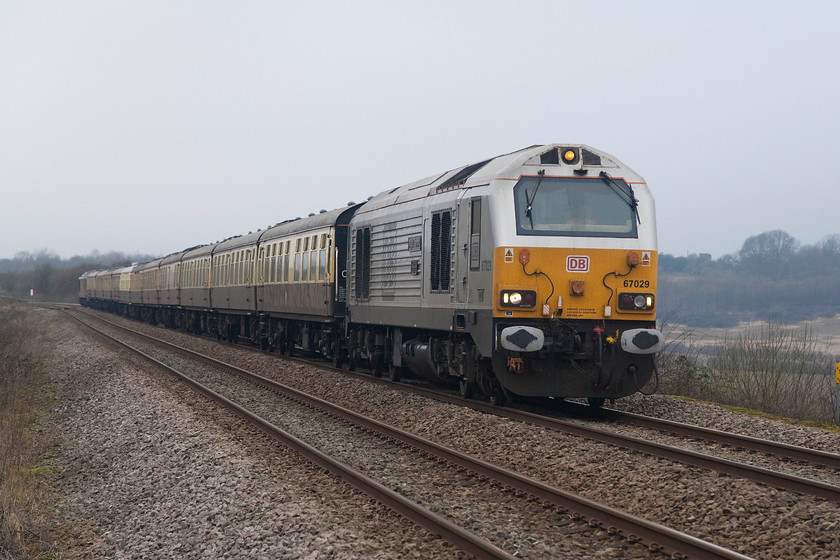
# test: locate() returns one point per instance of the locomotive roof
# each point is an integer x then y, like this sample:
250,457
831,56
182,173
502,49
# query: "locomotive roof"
505,166
460,177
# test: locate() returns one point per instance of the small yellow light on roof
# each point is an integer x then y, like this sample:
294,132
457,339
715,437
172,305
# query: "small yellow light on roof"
569,155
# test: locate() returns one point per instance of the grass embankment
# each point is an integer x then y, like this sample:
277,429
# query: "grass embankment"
23,531
786,371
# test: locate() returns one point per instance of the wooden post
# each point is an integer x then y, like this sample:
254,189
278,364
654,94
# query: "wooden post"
837,393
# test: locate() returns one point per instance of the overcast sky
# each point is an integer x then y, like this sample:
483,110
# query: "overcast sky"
154,126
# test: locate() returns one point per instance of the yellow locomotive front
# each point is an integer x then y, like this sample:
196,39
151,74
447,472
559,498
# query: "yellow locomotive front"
574,278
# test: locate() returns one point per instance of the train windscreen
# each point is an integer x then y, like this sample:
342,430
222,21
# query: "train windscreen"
571,206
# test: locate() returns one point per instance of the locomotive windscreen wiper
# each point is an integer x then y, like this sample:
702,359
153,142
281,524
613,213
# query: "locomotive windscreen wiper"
541,174
629,198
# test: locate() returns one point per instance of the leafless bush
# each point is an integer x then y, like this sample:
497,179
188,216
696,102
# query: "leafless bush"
680,366
777,369
773,368
21,370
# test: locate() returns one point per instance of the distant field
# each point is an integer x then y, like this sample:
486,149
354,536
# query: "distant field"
827,330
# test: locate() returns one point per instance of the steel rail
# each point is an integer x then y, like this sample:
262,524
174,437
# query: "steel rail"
775,448
634,528
765,476
434,523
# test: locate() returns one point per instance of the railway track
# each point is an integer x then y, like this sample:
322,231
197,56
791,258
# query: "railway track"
514,485
740,441
600,432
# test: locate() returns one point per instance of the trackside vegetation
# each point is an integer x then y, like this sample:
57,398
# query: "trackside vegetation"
52,278
778,369
23,531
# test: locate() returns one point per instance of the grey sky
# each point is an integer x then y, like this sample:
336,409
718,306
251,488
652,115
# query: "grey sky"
117,117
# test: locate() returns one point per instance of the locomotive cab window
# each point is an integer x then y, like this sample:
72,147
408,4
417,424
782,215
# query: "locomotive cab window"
570,206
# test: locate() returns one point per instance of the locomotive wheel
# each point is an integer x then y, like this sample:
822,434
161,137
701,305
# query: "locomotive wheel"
466,388
378,366
596,402
497,397
394,373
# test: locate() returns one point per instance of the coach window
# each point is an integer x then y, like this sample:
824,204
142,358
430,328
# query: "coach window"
249,268
277,260
285,264
279,263
297,264
243,262
304,276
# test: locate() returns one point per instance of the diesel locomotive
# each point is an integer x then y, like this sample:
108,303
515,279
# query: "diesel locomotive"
532,273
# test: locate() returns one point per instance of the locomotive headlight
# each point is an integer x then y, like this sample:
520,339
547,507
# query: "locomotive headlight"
635,302
518,298
570,155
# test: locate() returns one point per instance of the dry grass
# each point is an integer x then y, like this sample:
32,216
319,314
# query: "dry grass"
778,369
22,531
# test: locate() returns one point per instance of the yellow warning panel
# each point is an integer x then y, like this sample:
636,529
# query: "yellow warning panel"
837,372
574,282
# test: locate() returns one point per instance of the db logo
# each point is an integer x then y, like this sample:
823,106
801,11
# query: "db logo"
576,263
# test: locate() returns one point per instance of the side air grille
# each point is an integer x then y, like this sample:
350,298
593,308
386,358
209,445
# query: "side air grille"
441,254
